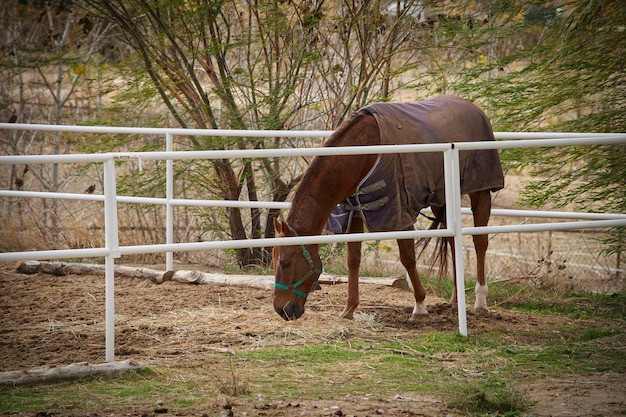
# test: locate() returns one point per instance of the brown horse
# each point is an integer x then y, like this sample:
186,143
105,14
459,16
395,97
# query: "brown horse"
330,179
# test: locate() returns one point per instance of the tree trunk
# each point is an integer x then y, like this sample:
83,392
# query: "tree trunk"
232,191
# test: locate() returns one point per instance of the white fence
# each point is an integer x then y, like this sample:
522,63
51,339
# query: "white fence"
112,250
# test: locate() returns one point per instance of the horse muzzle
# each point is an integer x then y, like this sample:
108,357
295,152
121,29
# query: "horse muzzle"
292,310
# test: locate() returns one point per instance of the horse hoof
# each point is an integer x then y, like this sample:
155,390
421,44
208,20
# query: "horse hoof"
418,310
481,311
416,317
348,314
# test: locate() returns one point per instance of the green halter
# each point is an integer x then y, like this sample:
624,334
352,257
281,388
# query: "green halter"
312,270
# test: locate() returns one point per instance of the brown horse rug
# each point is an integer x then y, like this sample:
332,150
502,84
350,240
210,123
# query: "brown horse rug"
398,186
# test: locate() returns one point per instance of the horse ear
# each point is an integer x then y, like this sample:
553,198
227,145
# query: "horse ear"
281,228
278,227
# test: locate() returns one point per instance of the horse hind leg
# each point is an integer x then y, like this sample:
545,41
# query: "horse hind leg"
407,257
481,209
354,264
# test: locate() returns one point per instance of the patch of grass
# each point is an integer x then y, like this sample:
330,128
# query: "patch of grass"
349,368
523,297
488,398
443,286
430,363
141,389
477,379
309,354
593,334
309,371
588,353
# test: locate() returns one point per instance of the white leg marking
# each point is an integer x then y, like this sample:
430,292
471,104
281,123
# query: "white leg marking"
419,310
481,298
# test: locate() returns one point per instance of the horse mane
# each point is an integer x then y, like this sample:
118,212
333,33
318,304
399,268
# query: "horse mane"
301,197
335,139
339,133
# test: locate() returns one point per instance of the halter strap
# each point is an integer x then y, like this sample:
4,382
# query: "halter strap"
312,270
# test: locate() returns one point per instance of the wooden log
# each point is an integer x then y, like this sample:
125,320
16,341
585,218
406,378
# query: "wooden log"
69,268
63,373
158,277
199,277
183,276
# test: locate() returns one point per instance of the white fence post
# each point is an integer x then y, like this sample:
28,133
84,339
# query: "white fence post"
112,244
169,196
454,222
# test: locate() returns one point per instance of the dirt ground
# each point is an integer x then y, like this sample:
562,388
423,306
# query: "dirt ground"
49,320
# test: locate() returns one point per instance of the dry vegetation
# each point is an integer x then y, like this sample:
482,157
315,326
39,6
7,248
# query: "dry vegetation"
210,347
223,345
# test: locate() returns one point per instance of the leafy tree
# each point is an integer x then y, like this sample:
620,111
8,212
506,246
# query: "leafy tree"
249,64
575,80
552,66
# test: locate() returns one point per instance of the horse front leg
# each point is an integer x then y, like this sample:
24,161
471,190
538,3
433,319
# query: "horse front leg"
353,263
407,257
481,209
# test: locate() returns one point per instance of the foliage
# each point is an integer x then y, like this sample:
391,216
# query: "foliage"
52,60
540,66
568,77
244,64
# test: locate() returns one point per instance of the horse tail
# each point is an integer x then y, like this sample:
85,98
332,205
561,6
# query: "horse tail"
439,258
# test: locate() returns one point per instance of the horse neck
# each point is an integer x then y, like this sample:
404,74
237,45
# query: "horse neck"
330,179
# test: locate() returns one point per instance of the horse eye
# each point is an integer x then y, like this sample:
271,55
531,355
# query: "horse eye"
285,264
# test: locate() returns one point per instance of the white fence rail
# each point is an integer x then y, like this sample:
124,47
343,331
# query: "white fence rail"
113,250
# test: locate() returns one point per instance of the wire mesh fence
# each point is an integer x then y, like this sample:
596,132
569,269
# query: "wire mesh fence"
566,261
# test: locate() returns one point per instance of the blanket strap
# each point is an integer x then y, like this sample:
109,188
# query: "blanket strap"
372,187
431,218
371,206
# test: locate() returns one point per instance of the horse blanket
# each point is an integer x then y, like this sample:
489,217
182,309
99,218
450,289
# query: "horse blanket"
398,186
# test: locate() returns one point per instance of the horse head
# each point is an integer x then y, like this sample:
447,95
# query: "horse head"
297,269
